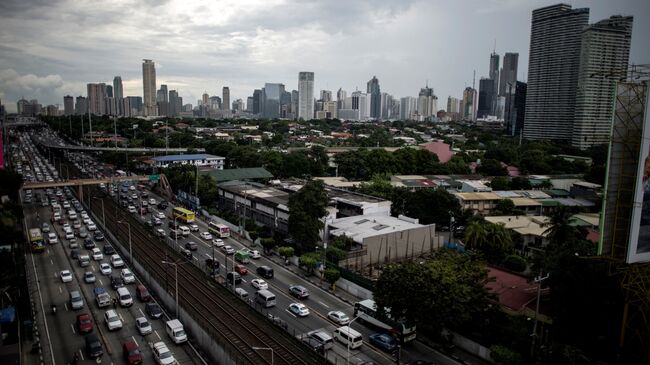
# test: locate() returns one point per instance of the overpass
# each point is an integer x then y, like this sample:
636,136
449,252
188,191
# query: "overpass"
335,150
118,149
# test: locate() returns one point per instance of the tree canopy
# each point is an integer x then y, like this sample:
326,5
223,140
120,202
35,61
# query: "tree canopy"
307,207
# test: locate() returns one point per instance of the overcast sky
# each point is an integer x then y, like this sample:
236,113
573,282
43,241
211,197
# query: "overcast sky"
50,48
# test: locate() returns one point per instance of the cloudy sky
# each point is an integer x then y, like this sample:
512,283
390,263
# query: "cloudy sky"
50,48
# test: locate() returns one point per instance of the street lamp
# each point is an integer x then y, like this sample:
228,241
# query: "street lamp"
175,264
347,359
130,247
539,279
264,348
103,216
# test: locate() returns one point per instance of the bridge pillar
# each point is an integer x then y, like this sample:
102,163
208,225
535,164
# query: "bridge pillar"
80,193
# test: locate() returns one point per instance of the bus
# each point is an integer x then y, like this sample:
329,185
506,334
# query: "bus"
36,240
366,310
184,215
220,230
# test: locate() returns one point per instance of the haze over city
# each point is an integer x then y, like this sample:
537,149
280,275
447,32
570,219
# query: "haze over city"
54,48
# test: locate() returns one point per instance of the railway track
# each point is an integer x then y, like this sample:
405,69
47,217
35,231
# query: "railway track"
221,314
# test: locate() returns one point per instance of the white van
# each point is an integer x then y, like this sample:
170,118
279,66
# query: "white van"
347,335
176,331
124,296
72,214
265,298
185,231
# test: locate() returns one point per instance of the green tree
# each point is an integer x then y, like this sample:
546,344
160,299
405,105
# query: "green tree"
307,207
504,355
492,240
504,207
445,292
267,243
309,261
331,275
286,251
489,167
500,183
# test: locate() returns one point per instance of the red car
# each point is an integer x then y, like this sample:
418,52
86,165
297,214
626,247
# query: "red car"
84,323
132,353
142,293
241,269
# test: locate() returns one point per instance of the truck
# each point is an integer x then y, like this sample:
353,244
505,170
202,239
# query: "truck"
242,256
176,331
102,297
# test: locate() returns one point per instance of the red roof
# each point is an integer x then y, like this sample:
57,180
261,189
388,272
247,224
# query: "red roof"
513,291
441,149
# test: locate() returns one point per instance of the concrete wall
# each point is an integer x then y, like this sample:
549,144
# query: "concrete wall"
472,347
354,289
401,245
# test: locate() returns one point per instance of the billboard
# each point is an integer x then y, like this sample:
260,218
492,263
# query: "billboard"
639,245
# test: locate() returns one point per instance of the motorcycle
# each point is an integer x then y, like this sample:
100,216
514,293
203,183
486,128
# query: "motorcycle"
53,308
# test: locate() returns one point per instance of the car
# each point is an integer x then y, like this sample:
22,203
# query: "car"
45,227
66,276
259,284
193,227
299,309
98,236
93,346
116,282
162,205
108,250
206,236
112,320
228,250
116,261
143,326
134,196
152,201
191,245
142,293
218,242
76,224
97,254
314,344
91,226
161,354
66,227
131,209
241,269
338,317
383,341
69,235
149,223
89,244
82,233
105,268
74,254
131,353
89,277
76,300
73,244
157,222
254,254
160,215
299,291
153,310
127,276
84,323
160,232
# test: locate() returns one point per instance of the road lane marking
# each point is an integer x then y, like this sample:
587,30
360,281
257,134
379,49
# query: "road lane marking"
141,312
121,319
136,342
323,304
51,262
290,312
72,326
82,354
156,332
100,282
66,306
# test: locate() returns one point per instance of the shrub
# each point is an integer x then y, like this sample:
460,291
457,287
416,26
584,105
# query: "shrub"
286,251
515,263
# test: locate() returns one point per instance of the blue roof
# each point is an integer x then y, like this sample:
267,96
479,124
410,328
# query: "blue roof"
176,158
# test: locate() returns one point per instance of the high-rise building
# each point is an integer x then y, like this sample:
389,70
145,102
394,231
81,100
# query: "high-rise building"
226,98
249,104
109,91
305,95
325,95
374,92
605,48
468,105
118,93
340,98
215,103
515,110
295,101
175,103
272,94
386,106
204,99
238,105
361,102
162,95
427,103
408,107
485,97
68,105
97,98
80,106
135,106
149,87
553,67
453,105
508,72
257,101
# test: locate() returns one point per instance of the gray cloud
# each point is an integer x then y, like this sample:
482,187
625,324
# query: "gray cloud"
204,45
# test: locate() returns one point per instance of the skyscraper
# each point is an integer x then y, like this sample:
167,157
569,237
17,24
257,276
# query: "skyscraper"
161,94
305,95
340,98
553,68
257,101
605,50
149,87
485,97
118,93
508,72
326,95
97,98
175,103
226,98
68,105
515,110
109,91
468,105
408,107
295,99
374,93
80,106
361,102
427,103
271,95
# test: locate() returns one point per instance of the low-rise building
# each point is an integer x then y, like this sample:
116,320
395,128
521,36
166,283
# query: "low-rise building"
201,160
531,229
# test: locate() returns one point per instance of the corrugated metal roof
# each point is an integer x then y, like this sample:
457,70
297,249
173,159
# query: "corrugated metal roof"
239,174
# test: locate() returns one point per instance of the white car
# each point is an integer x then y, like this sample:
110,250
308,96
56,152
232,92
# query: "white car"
160,215
218,242
255,254
97,254
228,250
89,277
259,284
66,276
161,354
84,215
299,309
152,201
113,321
131,209
116,261
105,268
194,228
127,276
160,232
69,235
338,317
143,326
206,236
92,226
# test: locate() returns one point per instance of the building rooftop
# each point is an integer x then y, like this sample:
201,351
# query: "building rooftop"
525,202
363,226
513,291
176,158
524,225
238,174
478,196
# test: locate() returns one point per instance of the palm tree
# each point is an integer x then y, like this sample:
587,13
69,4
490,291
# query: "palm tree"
559,229
476,234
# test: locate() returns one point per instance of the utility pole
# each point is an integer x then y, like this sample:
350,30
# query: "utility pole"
539,279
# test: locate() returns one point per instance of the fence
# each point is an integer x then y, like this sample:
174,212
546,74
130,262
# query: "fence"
353,276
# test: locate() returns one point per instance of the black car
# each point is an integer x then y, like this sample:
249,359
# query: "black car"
265,272
108,250
233,276
162,205
93,346
153,310
314,344
74,254
192,246
149,223
88,243
116,282
124,203
99,236
144,195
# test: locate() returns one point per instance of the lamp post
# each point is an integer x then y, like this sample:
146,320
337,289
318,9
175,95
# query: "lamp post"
130,247
539,279
175,264
103,215
347,359
266,349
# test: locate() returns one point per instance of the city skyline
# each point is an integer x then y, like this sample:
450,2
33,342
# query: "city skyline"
259,50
